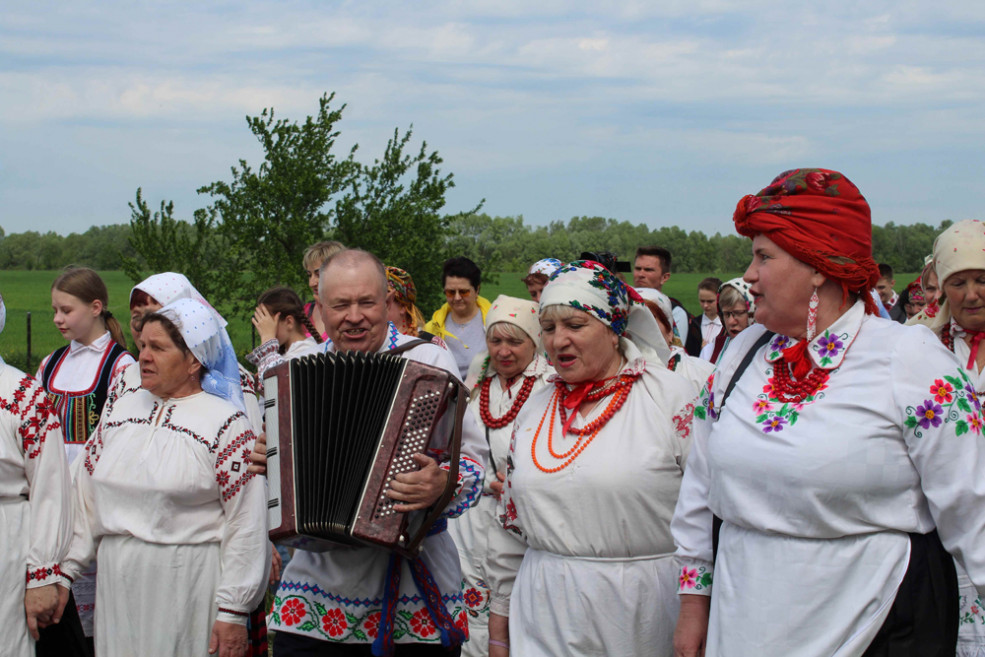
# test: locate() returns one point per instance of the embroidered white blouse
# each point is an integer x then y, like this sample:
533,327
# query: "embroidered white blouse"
174,472
35,501
597,574
81,365
336,596
817,498
129,381
471,530
33,472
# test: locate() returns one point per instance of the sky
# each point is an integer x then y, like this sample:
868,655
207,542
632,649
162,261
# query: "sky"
662,112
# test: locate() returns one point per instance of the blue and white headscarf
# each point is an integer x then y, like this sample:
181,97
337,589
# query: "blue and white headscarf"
210,344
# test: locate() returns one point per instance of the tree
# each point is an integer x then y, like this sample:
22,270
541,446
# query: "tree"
269,216
393,209
168,244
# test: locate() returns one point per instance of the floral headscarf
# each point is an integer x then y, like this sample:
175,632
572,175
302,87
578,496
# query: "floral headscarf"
547,266
405,293
915,293
588,286
819,217
210,344
170,286
743,288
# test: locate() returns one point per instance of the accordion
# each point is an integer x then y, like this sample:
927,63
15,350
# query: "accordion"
340,427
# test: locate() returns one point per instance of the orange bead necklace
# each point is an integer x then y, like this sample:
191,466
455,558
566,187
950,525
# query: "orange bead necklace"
585,435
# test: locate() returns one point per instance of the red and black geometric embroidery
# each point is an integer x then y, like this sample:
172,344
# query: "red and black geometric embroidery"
41,574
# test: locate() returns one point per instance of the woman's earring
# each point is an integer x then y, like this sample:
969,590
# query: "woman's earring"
812,316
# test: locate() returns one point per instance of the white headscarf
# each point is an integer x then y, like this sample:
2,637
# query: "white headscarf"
3,314
210,344
588,286
169,287
522,313
959,248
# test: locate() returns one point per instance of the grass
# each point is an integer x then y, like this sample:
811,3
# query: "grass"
29,292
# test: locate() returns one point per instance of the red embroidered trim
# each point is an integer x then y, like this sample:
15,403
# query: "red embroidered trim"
42,574
231,611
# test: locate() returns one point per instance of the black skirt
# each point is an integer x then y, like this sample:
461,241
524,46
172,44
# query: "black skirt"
923,621
66,639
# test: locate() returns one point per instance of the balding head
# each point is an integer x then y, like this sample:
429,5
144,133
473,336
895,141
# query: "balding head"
355,300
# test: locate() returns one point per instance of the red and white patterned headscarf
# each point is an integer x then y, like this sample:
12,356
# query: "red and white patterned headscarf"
819,217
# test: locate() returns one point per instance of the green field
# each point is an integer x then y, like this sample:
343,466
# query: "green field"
29,292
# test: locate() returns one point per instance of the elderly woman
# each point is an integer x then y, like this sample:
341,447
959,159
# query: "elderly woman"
150,295
404,314
35,509
592,477
736,308
510,370
839,451
165,499
959,263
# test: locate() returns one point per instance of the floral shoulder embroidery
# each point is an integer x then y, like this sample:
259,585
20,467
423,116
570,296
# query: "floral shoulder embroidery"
682,421
828,347
705,408
777,345
949,399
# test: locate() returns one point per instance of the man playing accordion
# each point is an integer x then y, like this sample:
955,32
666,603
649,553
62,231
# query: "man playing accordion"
367,600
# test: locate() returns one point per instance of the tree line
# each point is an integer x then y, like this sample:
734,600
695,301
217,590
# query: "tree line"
495,243
253,230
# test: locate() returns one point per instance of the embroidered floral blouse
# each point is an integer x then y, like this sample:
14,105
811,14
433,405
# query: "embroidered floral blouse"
817,497
615,501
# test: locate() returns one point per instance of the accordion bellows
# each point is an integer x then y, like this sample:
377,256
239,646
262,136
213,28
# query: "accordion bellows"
340,427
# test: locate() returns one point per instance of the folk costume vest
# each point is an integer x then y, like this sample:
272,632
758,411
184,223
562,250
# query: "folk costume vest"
79,411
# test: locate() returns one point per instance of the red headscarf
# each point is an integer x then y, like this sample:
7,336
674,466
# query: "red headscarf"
819,217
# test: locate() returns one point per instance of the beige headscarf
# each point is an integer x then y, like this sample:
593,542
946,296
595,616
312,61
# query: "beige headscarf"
959,248
522,313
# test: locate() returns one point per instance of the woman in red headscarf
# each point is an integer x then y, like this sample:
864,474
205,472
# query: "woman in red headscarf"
835,454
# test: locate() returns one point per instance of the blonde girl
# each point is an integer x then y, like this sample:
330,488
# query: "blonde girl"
77,378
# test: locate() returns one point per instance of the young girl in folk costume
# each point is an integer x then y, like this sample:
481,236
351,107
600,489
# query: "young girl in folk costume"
77,379
282,324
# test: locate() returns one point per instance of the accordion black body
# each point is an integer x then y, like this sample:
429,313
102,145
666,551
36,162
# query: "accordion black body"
339,428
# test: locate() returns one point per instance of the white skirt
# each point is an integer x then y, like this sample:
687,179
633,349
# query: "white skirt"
14,534
155,600
599,607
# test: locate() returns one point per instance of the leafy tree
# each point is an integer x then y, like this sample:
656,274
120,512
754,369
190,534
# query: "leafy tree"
393,209
168,244
267,217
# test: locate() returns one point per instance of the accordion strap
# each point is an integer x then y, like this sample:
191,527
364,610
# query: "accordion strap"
407,346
